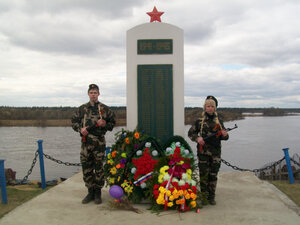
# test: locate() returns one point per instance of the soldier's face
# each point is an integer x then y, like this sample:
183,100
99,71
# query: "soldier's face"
209,108
93,94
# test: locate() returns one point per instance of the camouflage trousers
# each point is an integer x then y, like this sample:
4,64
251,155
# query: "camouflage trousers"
92,157
209,164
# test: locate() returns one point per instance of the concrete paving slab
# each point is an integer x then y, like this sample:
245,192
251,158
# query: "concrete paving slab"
242,199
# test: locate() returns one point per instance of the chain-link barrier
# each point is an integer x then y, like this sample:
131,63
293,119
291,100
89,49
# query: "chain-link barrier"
61,162
23,181
79,164
31,168
294,161
254,170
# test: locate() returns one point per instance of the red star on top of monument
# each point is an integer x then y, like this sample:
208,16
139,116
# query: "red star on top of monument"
155,15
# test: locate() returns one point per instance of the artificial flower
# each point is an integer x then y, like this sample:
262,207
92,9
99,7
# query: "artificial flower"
127,140
113,170
136,135
113,154
170,204
109,155
193,204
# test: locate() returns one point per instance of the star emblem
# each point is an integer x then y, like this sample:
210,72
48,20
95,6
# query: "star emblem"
145,164
155,15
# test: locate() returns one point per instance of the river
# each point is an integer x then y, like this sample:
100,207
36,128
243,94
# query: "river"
256,142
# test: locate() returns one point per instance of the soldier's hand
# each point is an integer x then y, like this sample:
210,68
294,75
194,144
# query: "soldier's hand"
224,133
200,141
84,131
101,123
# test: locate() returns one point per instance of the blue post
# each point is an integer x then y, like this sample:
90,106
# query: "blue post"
3,182
288,164
42,168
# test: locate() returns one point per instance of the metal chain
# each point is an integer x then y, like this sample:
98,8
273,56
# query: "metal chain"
254,170
79,164
61,162
294,161
32,165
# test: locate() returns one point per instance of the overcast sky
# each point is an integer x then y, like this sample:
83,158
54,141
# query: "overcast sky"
244,52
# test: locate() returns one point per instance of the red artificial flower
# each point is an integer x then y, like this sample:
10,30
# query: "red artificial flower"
163,184
186,166
155,193
175,184
156,186
194,189
145,164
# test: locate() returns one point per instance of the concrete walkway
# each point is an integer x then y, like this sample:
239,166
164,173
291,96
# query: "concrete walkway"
242,199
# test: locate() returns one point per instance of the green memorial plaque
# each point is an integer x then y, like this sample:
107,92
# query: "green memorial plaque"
155,46
155,100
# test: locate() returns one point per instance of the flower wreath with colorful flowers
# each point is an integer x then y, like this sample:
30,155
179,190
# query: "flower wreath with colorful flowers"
176,180
131,162
146,171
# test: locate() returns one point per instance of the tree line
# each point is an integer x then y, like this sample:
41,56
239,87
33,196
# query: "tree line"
64,113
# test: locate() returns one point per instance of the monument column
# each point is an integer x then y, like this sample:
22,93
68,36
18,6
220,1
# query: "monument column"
155,80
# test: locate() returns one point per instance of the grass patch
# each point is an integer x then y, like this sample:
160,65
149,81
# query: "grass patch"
17,195
291,190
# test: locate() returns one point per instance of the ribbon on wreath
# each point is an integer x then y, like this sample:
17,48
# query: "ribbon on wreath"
167,188
143,179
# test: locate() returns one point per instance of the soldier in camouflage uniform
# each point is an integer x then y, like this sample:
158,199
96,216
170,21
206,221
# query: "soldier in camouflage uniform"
209,150
92,120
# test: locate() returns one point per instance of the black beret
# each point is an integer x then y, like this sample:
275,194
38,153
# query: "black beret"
213,98
93,86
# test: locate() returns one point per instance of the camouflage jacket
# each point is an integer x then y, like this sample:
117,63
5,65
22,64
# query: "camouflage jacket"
88,115
209,127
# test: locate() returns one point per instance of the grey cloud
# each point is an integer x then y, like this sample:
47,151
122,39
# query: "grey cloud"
106,9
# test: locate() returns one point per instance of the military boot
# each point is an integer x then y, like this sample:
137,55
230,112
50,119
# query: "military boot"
212,200
90,196
98,199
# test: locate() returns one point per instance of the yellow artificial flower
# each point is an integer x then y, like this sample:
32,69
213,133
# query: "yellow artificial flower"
109,155
128,189
168,193
160,201
123,155
124,184
193,196
160,179
170,204
187,196
175,195
189,171
171,198
162,190
113,170
111,180
111,162
180,192
163,169
180,201
193,204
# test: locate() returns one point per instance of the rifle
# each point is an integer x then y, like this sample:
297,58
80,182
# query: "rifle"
93,126
217,134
